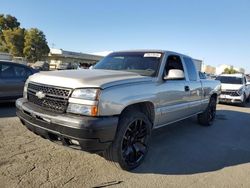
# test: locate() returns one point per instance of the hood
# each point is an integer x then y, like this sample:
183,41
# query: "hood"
230,86
87,78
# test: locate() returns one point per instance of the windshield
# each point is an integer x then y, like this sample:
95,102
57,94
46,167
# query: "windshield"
145,64
229,80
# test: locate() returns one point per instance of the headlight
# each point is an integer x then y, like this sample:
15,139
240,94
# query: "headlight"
84,102
82,109
240,91
86,94
25,89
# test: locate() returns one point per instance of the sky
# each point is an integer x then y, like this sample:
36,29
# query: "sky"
217,32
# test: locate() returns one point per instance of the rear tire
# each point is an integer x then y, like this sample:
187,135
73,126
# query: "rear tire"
130,146
207,117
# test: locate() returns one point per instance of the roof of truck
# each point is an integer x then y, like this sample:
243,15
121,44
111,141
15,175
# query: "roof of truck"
150,50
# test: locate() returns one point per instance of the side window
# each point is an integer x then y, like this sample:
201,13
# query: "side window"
173,62
191,70
7,71
21,72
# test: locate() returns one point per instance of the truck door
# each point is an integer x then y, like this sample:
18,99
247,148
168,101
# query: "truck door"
172,95
194,87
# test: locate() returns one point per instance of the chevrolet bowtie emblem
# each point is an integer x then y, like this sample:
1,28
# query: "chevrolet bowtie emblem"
40,94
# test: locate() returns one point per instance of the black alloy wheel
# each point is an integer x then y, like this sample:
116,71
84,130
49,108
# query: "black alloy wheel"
208,116
131,143
134,143
212,110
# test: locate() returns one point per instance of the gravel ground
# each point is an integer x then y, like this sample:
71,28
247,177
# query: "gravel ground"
181,155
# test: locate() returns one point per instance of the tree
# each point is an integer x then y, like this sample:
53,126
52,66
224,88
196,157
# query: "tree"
35,45
229,71
10,23
14,41
31,43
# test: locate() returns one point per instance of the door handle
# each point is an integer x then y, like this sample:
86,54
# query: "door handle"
187,88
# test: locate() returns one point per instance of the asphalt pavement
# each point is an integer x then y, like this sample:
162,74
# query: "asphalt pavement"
183,154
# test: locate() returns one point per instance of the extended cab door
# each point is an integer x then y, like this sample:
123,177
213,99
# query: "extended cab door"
171,94
194,86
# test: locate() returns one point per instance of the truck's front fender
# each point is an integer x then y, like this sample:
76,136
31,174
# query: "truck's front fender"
114,100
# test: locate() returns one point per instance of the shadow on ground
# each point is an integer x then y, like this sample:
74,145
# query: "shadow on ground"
187,148
7,109
247,105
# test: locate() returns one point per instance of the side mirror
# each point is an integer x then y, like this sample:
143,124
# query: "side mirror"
175,74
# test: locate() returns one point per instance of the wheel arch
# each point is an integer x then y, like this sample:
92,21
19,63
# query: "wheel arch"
145,107
214,95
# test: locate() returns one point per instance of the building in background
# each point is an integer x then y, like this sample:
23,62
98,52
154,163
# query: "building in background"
8,57
208,69
5,56
59,56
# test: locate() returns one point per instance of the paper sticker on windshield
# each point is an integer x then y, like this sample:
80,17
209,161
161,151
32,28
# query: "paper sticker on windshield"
158,55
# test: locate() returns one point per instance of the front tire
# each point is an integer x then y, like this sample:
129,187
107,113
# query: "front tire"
130,146
207,117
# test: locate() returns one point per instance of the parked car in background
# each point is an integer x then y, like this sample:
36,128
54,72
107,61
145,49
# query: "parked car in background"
83,66
67,66
112,108
235,88
41,66
12,79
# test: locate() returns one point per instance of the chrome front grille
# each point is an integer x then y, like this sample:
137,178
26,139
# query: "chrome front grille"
230,92
53,99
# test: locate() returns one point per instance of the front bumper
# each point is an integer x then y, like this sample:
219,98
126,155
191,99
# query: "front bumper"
231,99
92,134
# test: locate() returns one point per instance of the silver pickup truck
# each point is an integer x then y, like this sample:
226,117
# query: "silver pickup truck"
113,108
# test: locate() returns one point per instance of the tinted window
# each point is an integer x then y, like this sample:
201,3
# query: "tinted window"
192,73
14,71
145,64
22,72
7,71
229,80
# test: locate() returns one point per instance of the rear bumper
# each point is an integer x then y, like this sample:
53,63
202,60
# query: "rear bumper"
92,134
